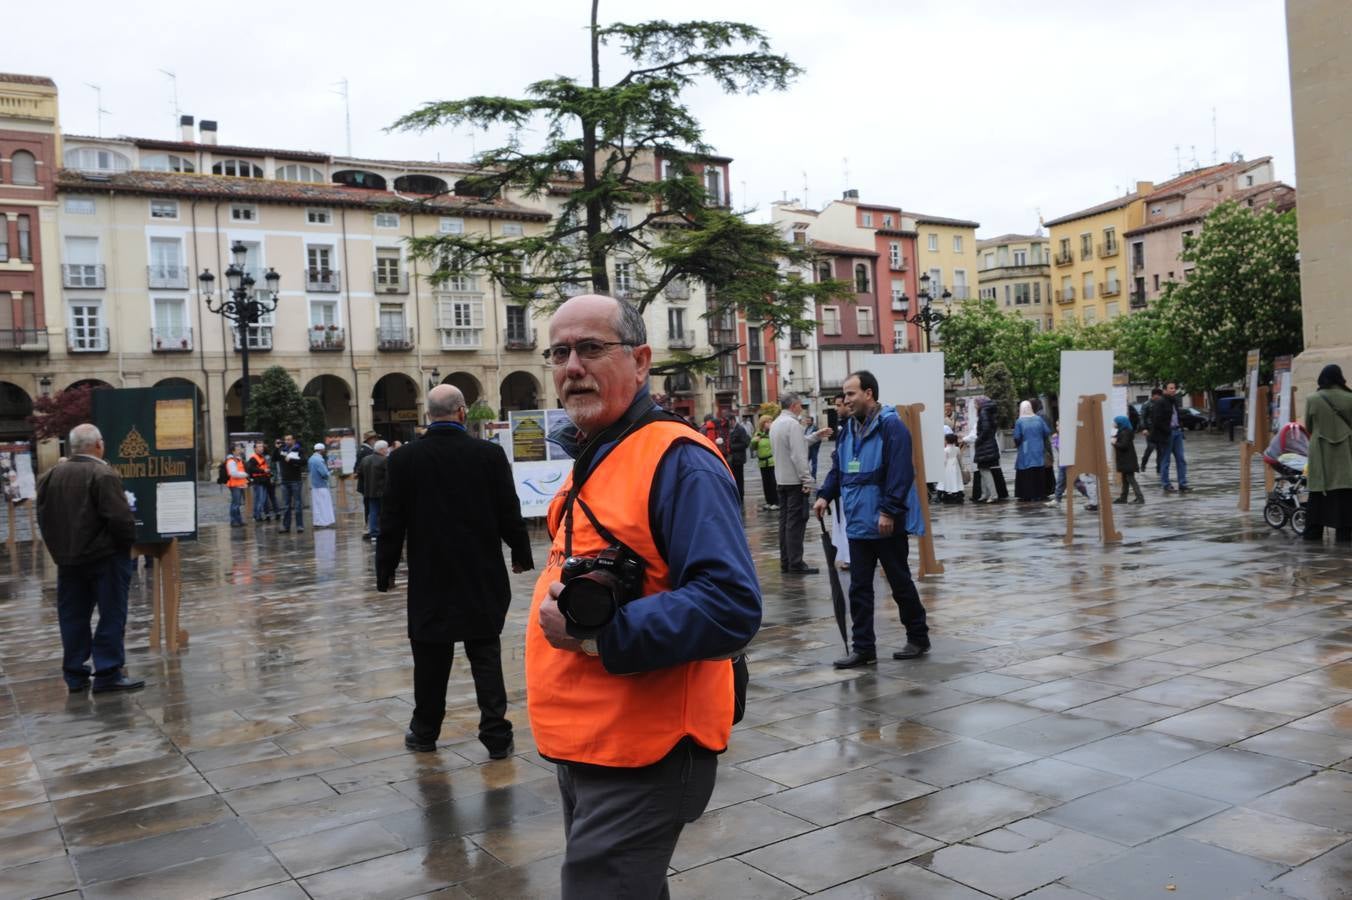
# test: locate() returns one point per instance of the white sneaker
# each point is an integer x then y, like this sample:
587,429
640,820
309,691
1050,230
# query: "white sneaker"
1053,502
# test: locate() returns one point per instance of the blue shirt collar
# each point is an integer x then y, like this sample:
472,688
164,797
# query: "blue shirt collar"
432,425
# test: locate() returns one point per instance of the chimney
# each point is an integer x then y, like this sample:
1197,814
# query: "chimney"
208,129
852,194
1144,187
185,128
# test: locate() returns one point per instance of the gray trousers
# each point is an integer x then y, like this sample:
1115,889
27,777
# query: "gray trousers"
793,510
622,825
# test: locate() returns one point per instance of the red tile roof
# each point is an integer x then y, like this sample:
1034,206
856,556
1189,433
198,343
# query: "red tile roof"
214,149
940,220
1283,198
1095,210
176,184
840,249
1189,180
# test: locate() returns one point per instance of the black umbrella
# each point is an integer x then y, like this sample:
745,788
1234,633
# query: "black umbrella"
837,592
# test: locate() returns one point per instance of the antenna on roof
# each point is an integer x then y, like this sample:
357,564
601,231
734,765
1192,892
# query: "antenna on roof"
173,80
1215,151
806,204
1178,160
1196,164
98,106
845,167
347,111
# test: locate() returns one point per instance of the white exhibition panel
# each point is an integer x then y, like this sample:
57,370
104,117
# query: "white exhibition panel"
906,378
1084,373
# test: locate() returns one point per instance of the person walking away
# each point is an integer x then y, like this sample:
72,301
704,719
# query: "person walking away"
813,435
89,528
952,485
633,711
1169,434
1124,450
1030,436
1150,439
765,460
738,442
450,498
236,479
365,449
794,483
1328,419
321,495
290,461
873,474
986,452
373,470
260,479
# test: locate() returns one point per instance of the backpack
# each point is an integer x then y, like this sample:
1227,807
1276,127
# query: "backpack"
222,476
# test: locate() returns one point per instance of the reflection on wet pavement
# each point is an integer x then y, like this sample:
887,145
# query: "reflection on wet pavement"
1094,722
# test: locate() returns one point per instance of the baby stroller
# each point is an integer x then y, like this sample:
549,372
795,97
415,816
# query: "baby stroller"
1287,455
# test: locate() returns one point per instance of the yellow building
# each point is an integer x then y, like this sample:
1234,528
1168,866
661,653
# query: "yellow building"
1089,264
1014,270
946,252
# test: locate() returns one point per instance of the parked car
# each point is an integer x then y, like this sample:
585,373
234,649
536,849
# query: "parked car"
1193,419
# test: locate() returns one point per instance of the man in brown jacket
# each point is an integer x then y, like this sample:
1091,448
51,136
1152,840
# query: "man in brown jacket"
89,528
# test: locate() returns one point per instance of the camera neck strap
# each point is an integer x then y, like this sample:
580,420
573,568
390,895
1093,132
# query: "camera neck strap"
632,420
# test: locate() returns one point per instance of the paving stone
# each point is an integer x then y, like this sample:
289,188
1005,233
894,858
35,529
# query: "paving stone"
150,854
1197,871
1231,775
1019,858
1276,839
335,847
838,853
904,882
1055,779
1135,753
846,796
1220,723
729,878
1132,813
814,762
956,762
211,877
958,812
733,830
1327,876
1323,799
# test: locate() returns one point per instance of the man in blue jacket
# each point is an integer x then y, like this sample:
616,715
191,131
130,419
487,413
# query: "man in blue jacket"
872,473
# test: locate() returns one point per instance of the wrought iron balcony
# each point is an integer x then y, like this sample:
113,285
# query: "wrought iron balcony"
1138,265
680,340
898,264
1110,288
171,340
722,337
1064,259
389,281
803,385
87,340
170,277
520,339
962,292
394,339
1137,300
1109,248
326,281
1066,296
23,340
900,305
325,338
798,340
82,275
725,384
260,337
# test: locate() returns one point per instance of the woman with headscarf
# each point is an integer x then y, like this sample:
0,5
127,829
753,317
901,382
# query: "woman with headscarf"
1328,418
1124,452
321,497
986,452
1030,436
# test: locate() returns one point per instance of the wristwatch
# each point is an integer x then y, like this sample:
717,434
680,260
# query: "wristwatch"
589,647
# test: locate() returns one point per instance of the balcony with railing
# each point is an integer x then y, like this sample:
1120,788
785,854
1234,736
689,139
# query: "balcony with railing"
457,338
167,277
725,384
962,292
87,340
1110,288
755,353
520,339
1064,259
898,343
393,339
677,289
1138,265
1086,251
1066,295
897,263
260,338
1137,300
802,385
323,281
390,281
1108,248
680,340
901,304
798,340
171,340
82,275
23,340
327,338
722,337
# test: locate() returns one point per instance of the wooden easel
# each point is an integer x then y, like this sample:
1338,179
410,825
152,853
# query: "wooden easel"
166,591
1247,450
929,563
1091,443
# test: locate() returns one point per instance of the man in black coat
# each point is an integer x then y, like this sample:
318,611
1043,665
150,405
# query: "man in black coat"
453,498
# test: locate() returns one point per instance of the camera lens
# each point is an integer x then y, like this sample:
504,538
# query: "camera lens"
588,601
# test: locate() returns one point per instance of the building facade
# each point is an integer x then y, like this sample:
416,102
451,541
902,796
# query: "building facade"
1088,262
1014,270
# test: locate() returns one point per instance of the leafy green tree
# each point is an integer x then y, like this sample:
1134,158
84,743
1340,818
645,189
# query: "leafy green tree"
277,408
1243,292
971,337
600,144
999,384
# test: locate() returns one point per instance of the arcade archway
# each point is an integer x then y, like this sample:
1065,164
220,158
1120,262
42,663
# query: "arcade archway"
520,390
394,407
468,384
335,397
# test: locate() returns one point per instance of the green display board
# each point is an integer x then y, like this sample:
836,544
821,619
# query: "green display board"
150,438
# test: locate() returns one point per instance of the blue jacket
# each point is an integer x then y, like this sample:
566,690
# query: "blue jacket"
715,607
872,472
1030,434
319,470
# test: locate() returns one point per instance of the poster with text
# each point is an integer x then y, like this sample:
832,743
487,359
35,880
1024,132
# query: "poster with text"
16,471
1084,373
150,438
1251,400
1281,375
340,450
908,378
537,483
528,435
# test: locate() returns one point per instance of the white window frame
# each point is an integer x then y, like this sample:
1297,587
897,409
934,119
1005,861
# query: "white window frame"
620,218
831,320
386,220
894,254
624,277
887,220
317,216
326,302
156,302
244,212
460,320
957,243
300,169
867,219
169,206
863,321
75,158
512,229
1020,257
451,225
932,241
80,206
236,166
95,341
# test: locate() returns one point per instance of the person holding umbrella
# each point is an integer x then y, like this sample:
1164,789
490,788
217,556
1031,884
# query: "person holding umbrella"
872,473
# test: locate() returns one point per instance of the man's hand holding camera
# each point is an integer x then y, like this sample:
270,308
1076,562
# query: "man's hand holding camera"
554,625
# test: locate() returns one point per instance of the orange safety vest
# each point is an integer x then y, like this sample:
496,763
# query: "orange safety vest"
263,469
236,475
578,711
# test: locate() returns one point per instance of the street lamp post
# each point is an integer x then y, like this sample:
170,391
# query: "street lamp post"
927,317
241,304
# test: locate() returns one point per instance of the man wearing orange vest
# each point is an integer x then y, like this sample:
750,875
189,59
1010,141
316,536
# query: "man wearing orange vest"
630,683
237,479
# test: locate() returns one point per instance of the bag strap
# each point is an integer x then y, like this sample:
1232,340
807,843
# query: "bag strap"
1337,412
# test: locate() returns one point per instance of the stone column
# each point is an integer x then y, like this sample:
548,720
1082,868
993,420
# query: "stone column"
1321,108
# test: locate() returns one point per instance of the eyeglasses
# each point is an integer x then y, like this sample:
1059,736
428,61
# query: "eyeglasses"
559,354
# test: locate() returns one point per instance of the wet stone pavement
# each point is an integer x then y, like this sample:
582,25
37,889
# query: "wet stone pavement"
1170,717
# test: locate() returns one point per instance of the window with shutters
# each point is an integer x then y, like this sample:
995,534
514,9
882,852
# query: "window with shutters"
460,319
87,334
831,320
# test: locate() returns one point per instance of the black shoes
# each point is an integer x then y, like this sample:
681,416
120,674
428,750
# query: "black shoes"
801,570
911,651
366,537
1184,489
283,530
78,688
123,683
503,752
1170,489
855,660
417,744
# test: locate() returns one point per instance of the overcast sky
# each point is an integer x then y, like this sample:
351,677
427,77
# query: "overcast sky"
980,109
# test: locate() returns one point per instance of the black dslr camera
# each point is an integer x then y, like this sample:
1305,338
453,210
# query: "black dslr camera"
595,587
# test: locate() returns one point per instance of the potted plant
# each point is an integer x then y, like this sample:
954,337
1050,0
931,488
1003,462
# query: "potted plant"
479,413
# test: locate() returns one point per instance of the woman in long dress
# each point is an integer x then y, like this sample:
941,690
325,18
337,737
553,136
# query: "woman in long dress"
321,498
1030,436
951,487
1328,418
